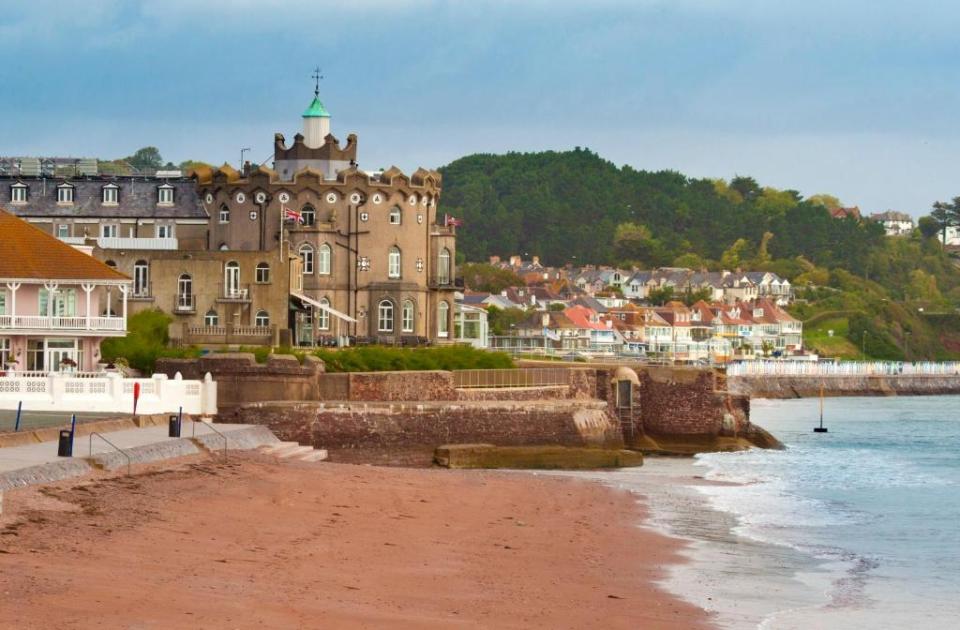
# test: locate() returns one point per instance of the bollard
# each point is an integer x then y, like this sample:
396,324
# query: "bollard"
16,425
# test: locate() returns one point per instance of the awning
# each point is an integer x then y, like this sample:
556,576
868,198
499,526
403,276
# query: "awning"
325,308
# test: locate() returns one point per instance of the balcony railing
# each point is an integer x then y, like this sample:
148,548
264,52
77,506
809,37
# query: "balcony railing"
41,322
230,292
228,334
185,303
114,242
141,291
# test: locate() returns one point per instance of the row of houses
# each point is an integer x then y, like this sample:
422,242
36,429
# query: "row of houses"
705,332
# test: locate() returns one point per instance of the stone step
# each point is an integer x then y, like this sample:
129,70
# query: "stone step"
295,452
317,455
280,447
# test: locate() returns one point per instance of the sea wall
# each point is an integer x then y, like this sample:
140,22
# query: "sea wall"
781,387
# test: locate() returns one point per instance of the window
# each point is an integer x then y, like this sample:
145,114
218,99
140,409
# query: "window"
443,266
306,257
111,264
308,216
65,194
224,214
3,303
406,319
63,302
185,292
165,231
6,356
443,319
63,230
395,215
18,193
141,279
262,320
323,260
211,318
108,231
393,263
165,195
263,273
231,279
385,316
323,317
111,193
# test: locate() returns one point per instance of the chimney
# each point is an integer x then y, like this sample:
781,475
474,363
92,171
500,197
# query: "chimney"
246,168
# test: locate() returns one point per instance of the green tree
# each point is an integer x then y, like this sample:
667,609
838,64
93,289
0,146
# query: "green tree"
488,278
501,321
659,297
826,201
942,214
147,158
733,257
929,227
635,242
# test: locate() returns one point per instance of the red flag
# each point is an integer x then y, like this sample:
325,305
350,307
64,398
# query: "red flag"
292,215
454,221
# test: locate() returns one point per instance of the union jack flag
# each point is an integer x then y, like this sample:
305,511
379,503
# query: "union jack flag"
292,215
454,221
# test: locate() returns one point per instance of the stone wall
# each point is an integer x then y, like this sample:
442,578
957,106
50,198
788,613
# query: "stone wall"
386,425
809,386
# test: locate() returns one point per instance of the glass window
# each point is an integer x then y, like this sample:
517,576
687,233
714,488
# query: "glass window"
231,279
3,302
165,231
64,302
65,194
385,316
323,260
262,319
110,194
263,273
108,231
165,195
224,214
141,279
308,216
63,230
306,257
393,263
6,357
211,318
443,319
18,193
407,317
323,317
443,266
395,216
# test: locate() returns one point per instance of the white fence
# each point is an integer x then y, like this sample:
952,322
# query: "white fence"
41,322
107,393
840,369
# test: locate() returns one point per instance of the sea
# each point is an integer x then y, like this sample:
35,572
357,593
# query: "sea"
858,527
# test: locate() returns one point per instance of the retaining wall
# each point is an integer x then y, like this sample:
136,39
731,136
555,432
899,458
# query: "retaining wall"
809,386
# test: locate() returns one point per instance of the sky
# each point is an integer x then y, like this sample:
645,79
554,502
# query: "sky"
854,98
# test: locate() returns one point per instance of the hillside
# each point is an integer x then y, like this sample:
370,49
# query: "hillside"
575,207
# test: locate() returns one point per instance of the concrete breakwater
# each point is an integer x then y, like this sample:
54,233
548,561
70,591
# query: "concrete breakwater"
802,386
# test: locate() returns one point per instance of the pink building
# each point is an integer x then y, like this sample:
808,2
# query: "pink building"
53,302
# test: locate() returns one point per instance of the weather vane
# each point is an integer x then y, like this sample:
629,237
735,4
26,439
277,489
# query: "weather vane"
316,76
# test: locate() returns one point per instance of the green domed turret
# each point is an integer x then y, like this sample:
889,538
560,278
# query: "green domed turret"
316,109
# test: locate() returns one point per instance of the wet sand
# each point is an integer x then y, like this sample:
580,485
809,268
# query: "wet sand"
255,543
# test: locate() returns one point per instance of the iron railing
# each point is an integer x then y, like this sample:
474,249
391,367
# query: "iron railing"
502,379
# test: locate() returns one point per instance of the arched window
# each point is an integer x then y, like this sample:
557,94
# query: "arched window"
111,263
395,215
231,279
224,214
223,247
263,273
262,319
323,317
306,257
443,320
308,216
385,316
323,260
211,318
141,279
393,263
443,266
406,318
184,292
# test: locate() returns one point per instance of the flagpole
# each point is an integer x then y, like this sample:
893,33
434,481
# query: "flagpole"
282,210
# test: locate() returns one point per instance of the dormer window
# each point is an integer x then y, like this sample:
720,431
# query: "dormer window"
64,194
111,193
758,312
18,193
165,195
395,215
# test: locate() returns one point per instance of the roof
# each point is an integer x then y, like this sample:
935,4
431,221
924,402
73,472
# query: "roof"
316,109
137,198
31,254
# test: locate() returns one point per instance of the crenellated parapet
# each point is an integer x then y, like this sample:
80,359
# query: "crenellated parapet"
330,150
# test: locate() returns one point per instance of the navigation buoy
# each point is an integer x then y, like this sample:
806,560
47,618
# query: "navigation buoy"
821,428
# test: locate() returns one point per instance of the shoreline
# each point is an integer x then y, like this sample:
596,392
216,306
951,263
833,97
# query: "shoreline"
255,542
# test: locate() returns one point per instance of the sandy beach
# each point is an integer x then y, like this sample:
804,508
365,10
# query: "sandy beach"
259,543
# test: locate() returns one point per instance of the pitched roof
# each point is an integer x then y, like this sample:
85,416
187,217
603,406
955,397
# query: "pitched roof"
30,253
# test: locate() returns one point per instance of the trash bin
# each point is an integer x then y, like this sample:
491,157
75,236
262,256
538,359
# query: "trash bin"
65,446
174,427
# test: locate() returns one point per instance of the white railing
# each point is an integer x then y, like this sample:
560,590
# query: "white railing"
106,393
40,322
115,242
74,240
840,369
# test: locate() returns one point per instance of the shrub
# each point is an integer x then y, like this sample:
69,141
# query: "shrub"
387,359
146,341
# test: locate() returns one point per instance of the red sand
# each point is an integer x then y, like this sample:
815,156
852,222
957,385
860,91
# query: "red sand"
260,544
